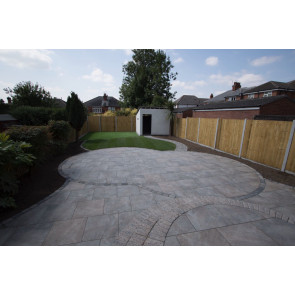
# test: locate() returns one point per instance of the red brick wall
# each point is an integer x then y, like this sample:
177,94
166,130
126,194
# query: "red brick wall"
226,114
280,107
274,93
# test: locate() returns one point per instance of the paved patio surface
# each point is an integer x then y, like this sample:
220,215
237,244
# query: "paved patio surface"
131,196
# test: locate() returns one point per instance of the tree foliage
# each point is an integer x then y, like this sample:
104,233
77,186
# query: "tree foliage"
29,94
147,79
77,113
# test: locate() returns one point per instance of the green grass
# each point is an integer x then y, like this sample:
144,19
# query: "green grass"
104,140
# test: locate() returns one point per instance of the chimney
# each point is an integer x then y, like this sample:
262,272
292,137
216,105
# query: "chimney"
9,100
105,97
236,86
211,95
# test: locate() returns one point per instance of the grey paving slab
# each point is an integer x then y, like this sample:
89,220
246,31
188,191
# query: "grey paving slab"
238,214
202,238
31,235
65,232
117,205
5,234
246,234
207,217
171,241
103,226
89,208
181,225
281,232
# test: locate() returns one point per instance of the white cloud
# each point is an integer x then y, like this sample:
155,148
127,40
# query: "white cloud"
128,52
188,85
178,60
264,60
246,79
211,61
97,75
36,59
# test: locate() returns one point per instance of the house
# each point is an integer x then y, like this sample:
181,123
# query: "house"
59,103
271,88
6,121
101,104
230,95
152,121
187,101
281,105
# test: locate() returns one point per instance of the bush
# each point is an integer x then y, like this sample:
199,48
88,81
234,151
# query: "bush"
126,112
109,114
60,131
13,159
59,114
37,116
37,136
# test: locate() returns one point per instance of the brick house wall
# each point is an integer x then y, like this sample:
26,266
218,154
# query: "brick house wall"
280,107
291,94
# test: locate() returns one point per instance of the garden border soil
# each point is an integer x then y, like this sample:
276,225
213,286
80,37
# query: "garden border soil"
266,172
43,180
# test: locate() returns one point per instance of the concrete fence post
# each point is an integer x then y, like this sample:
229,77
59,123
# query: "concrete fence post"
185,127
288,147
216,131
242,140
198,130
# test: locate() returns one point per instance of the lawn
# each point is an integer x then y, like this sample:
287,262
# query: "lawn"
104,140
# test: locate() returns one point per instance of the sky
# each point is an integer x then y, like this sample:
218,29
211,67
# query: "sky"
92,73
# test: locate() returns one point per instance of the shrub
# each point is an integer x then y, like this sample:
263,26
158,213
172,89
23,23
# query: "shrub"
32,116
37,116
109,114
37,136
13,159
59,114
60,131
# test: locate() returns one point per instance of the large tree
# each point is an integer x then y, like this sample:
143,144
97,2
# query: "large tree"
77,113
147,79
29,94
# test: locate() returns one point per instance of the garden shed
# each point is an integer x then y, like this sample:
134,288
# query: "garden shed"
152,121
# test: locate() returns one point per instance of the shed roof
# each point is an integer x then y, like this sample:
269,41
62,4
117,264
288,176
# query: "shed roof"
7,117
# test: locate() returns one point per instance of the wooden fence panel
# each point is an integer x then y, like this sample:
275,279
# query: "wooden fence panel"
181,127
230,135
268,141
93,123
108,124
207,131
192,129
124,124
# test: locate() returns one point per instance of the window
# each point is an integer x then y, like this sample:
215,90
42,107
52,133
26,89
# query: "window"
96,110
267,94
251,96
232,98
112,109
